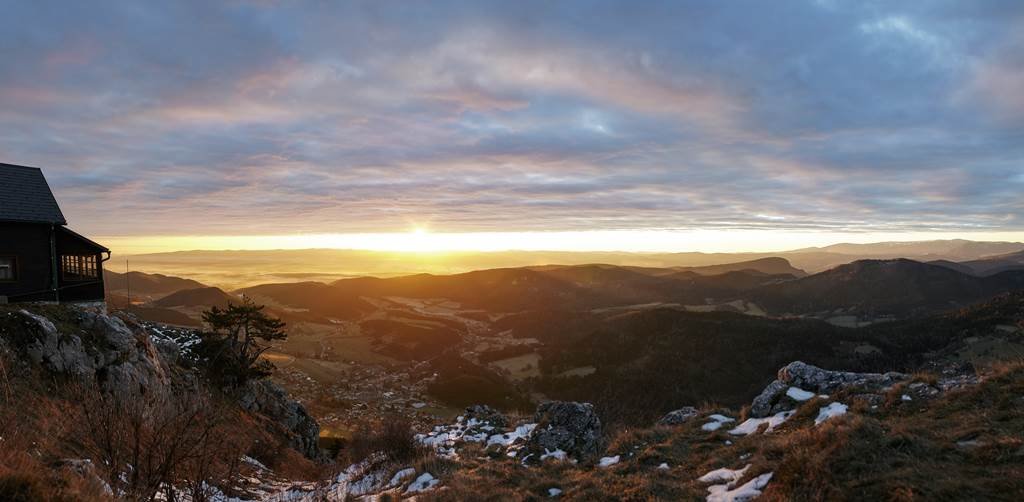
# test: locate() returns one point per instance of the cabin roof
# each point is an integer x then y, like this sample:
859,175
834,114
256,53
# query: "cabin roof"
26,197
83,239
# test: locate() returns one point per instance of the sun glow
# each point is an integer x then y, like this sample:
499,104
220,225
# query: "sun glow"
422,240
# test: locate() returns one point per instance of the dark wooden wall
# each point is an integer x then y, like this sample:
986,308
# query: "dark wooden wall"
30,244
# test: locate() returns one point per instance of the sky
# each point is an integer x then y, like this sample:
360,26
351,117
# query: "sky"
627,125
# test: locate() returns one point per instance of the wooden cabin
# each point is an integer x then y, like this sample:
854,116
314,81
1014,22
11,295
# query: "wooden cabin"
41,260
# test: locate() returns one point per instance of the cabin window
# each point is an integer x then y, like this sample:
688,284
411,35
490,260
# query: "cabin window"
79,267
8,268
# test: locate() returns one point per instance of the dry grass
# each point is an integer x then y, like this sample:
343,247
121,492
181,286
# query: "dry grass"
899,451
47,422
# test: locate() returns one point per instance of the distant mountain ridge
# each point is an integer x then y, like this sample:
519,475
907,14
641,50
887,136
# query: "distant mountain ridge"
899,287
996,264
857,292
954,249
196,297
147,284
240,269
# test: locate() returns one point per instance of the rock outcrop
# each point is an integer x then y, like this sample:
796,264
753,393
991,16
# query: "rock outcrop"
271,401
816,380
486,415
101,347
679,417
571,427
89,345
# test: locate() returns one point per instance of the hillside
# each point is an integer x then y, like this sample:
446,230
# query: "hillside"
996,264
897,288
578,287
646,361
925,437
147,285
198,297
95,405
768,266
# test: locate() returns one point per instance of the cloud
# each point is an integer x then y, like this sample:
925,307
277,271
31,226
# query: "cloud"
266,117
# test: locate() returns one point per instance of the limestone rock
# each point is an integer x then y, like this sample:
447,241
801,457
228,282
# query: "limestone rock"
820,381
105,349
568,426
680,416
485,414
270,400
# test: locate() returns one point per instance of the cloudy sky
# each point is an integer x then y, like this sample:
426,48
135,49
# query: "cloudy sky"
289,117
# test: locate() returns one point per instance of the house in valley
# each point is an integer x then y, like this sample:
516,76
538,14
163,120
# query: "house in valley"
41,260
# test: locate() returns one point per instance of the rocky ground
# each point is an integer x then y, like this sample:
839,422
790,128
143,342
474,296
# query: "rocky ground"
816,434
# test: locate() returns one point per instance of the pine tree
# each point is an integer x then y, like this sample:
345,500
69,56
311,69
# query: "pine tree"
242,332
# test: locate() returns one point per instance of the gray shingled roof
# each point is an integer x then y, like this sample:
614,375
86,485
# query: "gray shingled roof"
25,196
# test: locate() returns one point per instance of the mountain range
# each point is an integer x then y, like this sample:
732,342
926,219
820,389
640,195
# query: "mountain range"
238,269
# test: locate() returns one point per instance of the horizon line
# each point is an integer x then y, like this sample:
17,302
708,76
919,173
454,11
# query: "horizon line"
593,241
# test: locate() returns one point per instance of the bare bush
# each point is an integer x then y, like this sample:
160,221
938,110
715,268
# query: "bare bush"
394,439
157,443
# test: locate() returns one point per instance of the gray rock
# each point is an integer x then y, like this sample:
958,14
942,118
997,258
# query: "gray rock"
821,381
105,350
123,360
485,414
270,400
763,403
680,416
568,426
815,379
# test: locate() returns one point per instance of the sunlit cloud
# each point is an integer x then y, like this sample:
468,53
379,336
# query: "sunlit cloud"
526,118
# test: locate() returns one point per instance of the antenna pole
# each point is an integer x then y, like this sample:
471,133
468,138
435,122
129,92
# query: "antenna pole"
128,281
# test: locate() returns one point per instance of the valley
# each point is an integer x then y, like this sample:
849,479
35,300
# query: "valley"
425,346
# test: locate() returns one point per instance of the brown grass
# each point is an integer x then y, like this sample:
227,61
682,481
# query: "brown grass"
900,451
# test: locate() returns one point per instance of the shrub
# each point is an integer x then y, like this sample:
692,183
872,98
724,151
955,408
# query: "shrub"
142,445
394,440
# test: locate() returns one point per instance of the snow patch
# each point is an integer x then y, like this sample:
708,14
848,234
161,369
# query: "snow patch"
724,474
832,410
716,422
557,455
423,483
608,461
748,491
400,476
506,439
554,492
751,425
798,394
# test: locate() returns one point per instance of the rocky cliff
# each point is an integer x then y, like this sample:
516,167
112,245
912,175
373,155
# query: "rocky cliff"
89,346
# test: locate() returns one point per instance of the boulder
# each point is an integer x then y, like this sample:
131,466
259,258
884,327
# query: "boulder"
817,380
568,426
270,400
680,416
765,401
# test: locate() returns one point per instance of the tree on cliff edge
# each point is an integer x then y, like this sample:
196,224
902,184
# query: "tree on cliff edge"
239,335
